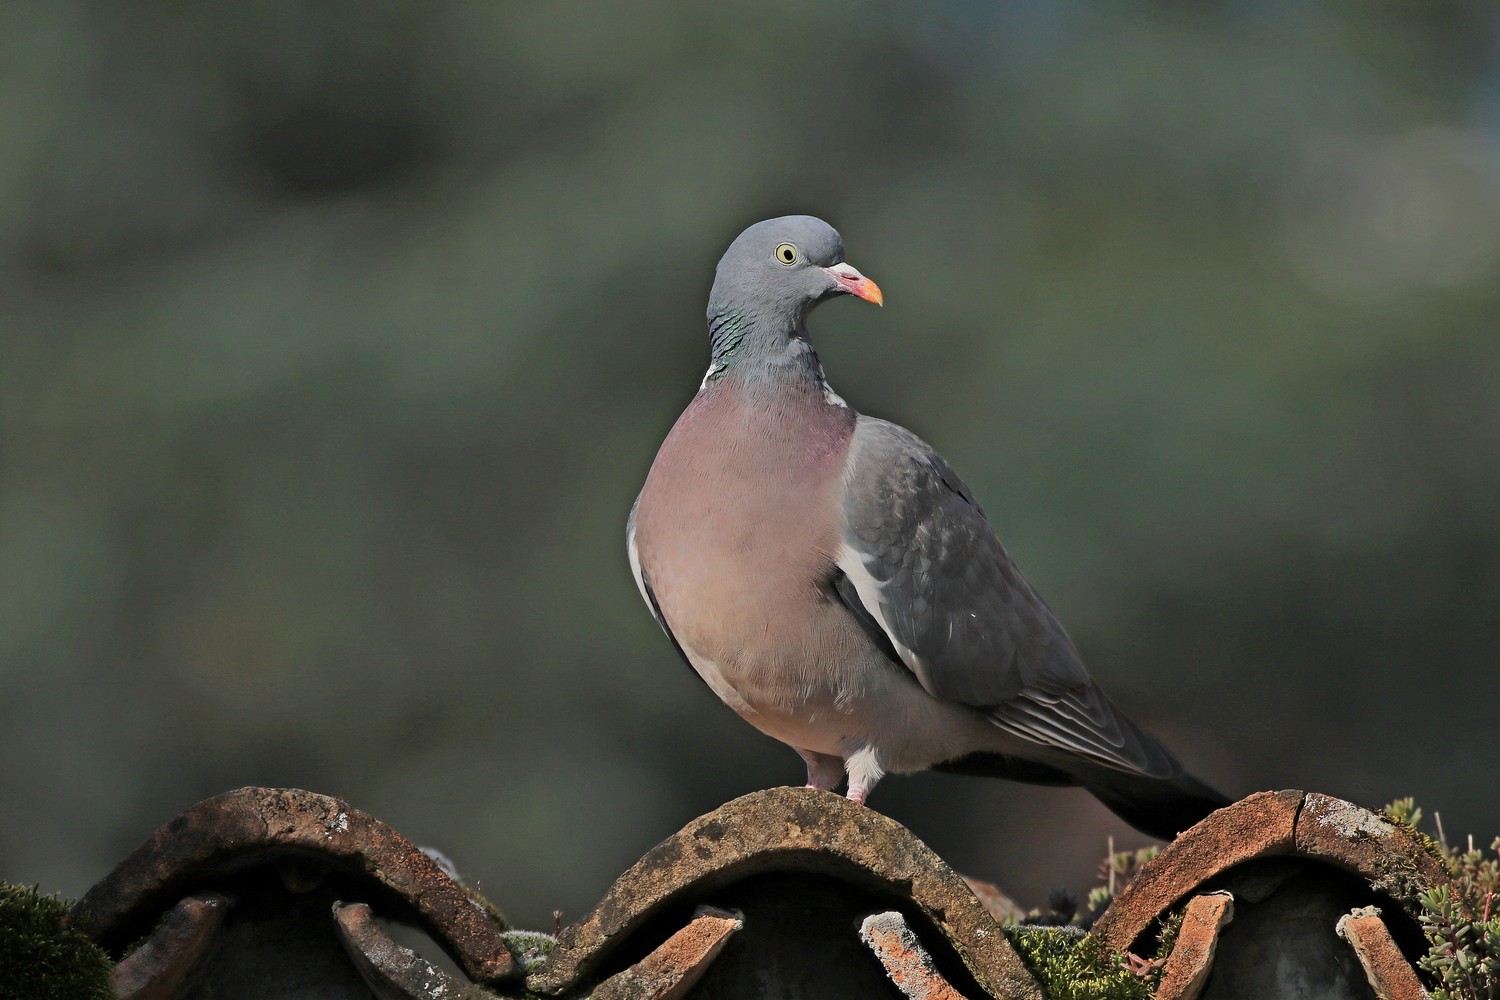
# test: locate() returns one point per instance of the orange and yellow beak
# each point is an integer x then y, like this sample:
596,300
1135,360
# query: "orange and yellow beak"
851,281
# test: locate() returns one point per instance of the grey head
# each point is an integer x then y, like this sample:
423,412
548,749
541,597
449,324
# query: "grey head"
776,271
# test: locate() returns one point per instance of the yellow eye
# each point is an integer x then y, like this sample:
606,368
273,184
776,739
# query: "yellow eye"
786,253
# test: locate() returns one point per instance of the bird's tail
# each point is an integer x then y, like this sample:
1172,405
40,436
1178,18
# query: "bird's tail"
1161,807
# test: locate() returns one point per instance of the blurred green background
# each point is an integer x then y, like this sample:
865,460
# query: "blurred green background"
336,339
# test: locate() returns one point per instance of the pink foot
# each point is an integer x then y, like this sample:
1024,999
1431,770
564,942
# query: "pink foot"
857,795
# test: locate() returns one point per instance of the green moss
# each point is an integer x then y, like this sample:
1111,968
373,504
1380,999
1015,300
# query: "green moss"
1406,814
1069,965
41,957
1463,927
530,948
1166,935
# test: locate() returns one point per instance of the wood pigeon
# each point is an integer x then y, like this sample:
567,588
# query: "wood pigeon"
834,581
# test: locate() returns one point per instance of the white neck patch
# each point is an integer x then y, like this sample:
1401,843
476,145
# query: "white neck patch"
713,370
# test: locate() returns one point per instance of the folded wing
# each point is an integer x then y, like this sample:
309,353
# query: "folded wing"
920,562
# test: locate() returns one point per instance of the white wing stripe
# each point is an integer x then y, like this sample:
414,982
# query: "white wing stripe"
852,563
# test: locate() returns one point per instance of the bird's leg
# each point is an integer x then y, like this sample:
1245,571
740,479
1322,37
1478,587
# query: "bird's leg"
824,770
864,773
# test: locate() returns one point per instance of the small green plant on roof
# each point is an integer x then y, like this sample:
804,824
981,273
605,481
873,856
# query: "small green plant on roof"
1069,964
1462,929
529,948
1116,871
41,956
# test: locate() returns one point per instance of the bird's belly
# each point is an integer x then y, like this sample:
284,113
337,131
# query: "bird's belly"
772,663
842,700
810,718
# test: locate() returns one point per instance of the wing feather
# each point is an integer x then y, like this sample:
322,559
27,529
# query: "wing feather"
926,567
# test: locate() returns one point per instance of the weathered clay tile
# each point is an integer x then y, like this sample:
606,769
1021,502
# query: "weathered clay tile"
825,847
1390,857
669,972
906,961
831,899
1254,827
1296,861
389,970
297,838
171,958
1389,973
1192,957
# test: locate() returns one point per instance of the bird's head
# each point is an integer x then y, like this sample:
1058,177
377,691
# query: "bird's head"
779,269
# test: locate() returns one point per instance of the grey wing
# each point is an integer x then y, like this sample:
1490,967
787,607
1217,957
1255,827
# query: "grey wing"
920,560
